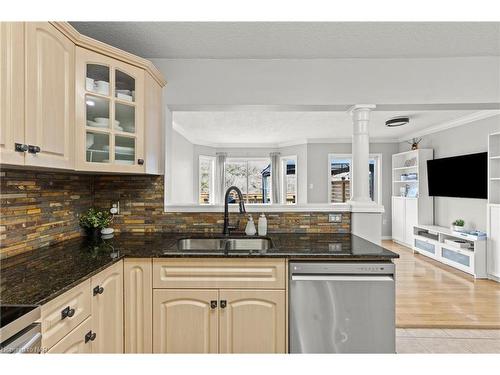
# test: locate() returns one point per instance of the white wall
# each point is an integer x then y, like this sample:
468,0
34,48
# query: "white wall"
330,81
465,139
182,164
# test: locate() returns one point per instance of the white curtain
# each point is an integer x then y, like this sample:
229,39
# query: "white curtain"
220,177
275,177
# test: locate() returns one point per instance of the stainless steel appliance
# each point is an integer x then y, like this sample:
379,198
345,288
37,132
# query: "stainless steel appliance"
19,331
342,307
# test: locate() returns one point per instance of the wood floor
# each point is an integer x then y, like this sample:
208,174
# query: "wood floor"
432,295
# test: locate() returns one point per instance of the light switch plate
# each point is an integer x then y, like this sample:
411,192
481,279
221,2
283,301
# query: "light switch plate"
334,218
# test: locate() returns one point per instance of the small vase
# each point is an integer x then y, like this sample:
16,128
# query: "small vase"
92,232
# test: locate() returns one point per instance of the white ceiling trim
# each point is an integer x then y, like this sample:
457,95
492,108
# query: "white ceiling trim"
480,115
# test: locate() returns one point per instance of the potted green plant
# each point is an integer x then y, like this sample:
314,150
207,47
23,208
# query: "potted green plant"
93,221
458,225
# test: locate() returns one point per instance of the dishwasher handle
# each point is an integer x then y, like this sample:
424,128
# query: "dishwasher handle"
342,278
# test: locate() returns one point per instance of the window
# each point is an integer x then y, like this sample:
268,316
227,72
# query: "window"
289,179
206,179
251,176
339,168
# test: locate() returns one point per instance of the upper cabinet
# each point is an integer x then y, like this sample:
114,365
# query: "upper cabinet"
109,114
71,102
50,97
11,92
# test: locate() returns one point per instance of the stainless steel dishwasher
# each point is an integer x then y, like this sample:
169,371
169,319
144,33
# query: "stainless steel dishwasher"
342,307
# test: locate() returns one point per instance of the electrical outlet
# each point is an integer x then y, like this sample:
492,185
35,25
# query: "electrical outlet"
334,218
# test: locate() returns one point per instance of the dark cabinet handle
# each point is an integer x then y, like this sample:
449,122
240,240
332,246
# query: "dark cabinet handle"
33,149
97,290
90,336
213,304
20,147
67,312
223,303
140,161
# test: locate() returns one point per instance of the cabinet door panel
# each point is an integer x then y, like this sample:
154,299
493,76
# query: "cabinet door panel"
107,310
11,91
50,96
138,305
494,241
398,218
253,321
184,322
411,219
75,342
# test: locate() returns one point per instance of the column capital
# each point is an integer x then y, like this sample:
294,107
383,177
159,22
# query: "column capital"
359,107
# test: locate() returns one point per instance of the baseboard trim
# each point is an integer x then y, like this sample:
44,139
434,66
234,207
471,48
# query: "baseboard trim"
386,238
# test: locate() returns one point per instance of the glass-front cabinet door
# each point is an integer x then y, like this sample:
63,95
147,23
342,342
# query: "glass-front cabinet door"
110,114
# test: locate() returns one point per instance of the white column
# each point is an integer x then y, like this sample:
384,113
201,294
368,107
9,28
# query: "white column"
360,114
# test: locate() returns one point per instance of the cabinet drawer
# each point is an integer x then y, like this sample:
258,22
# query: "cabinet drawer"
55,325
422,245
455,256
219,273
75,342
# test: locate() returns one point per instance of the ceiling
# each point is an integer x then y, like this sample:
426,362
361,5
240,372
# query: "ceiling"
298,40
281,128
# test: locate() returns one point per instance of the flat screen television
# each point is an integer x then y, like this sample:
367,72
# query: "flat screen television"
464,176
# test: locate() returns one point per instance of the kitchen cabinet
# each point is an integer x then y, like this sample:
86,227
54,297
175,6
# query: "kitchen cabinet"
11,92
185,321
50,97
107,310
219,306
64,313
138,302
109,114
79,341
252,321
154,126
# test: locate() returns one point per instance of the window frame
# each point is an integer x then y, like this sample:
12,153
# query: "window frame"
247,159
283,179
211,180
377,193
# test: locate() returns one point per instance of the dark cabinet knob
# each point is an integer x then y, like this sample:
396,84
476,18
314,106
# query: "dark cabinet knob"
90,336
67,312
223,304
33,149
97,290
213,304
140,161
20,147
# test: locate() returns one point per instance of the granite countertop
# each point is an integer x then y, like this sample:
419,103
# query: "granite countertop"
39,276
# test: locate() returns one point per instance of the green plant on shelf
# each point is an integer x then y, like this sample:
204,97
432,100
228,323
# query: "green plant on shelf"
458,223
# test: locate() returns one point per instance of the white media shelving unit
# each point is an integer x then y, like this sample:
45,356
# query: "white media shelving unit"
414,206
437,243
493,254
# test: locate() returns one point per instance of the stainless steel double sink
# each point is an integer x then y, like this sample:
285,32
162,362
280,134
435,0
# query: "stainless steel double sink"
224,244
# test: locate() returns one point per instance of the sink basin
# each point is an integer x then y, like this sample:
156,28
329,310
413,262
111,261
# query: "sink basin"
228,244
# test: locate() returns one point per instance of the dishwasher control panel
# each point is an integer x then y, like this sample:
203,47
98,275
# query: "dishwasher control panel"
341,268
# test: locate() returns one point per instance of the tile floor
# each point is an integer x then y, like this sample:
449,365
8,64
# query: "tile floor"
424,340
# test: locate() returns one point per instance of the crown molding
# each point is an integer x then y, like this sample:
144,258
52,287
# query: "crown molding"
476,116
105,49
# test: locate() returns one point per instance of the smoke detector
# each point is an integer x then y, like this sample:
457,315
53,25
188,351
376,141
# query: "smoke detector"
397,121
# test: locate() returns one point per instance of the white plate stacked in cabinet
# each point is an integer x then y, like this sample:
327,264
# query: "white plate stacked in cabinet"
468,255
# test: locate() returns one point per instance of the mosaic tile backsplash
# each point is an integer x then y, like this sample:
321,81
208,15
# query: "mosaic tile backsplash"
40,208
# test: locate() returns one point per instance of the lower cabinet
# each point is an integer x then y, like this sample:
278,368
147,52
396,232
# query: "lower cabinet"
253,321
77,341
138,301
185,321
107,310
87,318
219,321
